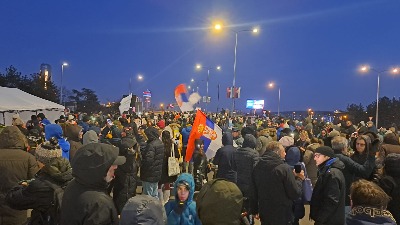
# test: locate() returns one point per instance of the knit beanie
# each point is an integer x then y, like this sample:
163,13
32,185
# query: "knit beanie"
326,151
47,151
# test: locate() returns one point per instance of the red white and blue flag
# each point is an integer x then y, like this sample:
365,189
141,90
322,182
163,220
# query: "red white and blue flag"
185,103
205,129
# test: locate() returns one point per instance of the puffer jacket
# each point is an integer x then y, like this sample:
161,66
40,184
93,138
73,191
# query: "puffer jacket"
38,195
246,159
200,169
15,165
152,157
187,216
224,158
328,198
55,130
85,200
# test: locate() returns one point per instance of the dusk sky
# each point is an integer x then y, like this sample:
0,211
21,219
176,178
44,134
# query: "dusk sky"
310,49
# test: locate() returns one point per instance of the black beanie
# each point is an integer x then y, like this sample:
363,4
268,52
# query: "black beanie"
326,151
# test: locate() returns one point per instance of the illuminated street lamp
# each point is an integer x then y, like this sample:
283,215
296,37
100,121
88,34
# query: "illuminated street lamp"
366,69
254,30
199,67
272,85
62,74
139,77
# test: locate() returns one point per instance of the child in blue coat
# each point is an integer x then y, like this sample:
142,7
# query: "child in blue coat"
182,211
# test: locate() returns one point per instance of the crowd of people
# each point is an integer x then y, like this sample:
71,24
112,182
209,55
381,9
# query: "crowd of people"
86,169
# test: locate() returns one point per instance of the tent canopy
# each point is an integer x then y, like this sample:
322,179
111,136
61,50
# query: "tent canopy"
13,101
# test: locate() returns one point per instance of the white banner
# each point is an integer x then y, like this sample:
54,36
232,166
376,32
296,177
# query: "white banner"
125,104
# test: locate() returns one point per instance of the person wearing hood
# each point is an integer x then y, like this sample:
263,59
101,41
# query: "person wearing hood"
220,202
55,130
275,186
224,159
152,161
200,164
263,139
85,200
21,166
183,209
43,120
125,182
185,138
245,159
143,210
73,134
39,193
327,206
90,137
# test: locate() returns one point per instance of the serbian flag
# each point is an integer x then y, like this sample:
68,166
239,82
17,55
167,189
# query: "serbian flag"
185,103
205,129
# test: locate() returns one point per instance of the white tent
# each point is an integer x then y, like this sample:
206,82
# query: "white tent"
14,101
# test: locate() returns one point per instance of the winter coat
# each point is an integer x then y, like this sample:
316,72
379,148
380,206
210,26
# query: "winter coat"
143,210
125,182
246,159
55,130
390,183
85,200
90,137
16,165
152,157
224,158
165,178
200,169
310,164
328,198
188,216
353,171
262,141
38,195
71,132
185,134
369,216
275,188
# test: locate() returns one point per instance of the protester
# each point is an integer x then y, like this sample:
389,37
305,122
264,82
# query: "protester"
224,159
275,187
85,200
143,210
55,130
200,165
327,206
19,165
182,210
40,193
369,204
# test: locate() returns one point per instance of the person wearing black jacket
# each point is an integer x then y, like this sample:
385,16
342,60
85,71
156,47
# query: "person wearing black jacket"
85,200
246,159
39,193
352,169
152,161
125,181
200,165
275,186
327,206
224,159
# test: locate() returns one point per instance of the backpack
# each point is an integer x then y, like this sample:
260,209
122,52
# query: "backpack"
52,214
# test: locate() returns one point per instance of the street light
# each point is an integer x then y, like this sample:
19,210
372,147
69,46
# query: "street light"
208,68
62,74
139,77
272,85
366,69
253,30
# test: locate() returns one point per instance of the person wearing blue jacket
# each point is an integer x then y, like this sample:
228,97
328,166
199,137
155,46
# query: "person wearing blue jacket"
182,211
55,130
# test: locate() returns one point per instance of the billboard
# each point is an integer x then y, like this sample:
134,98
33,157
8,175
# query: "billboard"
254,104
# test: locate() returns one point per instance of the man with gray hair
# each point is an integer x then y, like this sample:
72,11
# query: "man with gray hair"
352,169
275,186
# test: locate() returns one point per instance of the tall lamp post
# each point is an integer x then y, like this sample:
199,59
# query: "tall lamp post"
139,78
366,69
272,85
199,67
253,30
62,74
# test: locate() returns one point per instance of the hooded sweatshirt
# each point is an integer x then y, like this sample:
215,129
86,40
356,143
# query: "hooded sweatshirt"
85,199
144,210
224,158
90,137
55,130
71,132
187,215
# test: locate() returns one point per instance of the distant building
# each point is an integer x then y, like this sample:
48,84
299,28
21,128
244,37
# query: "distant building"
147,99
45,73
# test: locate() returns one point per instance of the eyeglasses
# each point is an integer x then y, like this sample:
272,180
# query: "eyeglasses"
317,155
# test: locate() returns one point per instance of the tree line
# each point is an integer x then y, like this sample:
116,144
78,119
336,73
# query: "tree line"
86,99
